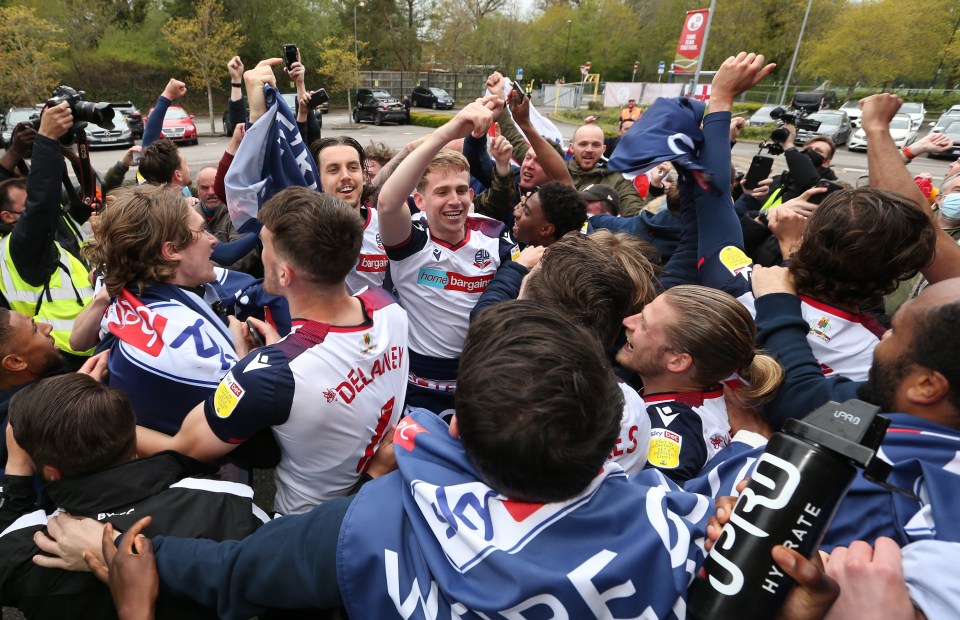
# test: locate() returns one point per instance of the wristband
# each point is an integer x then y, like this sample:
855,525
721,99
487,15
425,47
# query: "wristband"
907,153
236,84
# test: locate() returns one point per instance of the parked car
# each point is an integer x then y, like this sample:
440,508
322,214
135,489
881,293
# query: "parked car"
814,101
14,116
120,135
762,116
952,131
945,119
901,130
178,125
852,108
915,111
379,106
834,124
289,98
430,97
131,115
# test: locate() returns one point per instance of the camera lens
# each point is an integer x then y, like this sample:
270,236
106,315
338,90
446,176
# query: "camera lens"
97,113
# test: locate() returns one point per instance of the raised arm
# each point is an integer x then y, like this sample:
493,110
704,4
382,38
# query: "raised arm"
32,240
719,225
550,160
255,79
392,207
236,109
887,171
173,91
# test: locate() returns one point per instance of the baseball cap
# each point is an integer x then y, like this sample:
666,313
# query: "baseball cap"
598,191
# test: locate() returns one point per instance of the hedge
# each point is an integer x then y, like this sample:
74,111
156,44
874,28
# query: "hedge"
426,119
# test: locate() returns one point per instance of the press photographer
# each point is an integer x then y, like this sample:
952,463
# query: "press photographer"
38,276
805,168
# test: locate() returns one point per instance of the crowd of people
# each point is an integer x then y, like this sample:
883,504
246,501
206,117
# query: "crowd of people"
490,381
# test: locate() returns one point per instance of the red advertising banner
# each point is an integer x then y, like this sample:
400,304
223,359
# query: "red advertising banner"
691,41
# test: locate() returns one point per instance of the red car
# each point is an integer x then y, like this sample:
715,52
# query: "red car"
178,125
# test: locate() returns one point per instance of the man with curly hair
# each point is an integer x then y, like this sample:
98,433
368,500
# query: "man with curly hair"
163,303
854,249
547,213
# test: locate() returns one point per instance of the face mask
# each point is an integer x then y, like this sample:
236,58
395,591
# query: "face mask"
950,206
815,157
186,192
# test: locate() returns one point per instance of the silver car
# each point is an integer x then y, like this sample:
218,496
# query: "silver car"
834,124
120,135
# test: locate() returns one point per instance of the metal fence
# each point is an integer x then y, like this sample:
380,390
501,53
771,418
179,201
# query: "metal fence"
461,86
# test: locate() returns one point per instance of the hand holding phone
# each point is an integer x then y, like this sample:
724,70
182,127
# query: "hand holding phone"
319,97
290,54
760,169
831,187
257,337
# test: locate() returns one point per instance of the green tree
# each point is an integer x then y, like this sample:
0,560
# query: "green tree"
204,44
85,22
269,24
391,29
879,42
28,67
338,66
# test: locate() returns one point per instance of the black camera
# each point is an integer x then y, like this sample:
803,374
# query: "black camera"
797,118
100,113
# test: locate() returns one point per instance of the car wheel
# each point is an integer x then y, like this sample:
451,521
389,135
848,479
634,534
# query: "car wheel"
434,105
195,141
356,116
377,120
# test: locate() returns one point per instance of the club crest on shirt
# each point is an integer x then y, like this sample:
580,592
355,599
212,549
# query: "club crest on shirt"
820,328
481,259
718,441
367,344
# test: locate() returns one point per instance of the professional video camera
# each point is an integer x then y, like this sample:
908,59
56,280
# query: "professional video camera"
797,118
761,165
83,112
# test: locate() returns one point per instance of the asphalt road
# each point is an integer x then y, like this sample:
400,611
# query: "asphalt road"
848,165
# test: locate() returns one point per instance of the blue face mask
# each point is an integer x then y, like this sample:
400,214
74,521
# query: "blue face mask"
950,206
186,192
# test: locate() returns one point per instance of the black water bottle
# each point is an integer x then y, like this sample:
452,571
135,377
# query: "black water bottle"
792,496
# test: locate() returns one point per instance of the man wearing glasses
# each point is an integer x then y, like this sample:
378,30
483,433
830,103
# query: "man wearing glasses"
162,301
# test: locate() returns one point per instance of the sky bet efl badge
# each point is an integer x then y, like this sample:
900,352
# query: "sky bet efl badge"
664,449
734,259
227,396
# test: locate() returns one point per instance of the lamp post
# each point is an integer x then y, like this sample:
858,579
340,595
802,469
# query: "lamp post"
796,50
567,52
356,47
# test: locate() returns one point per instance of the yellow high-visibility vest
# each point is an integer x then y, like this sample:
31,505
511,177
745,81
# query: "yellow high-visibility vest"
57,302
